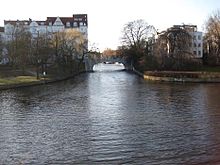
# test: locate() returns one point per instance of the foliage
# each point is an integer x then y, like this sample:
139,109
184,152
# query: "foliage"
173,52
69,45
134,40
1,47
19,47
212,39
60,51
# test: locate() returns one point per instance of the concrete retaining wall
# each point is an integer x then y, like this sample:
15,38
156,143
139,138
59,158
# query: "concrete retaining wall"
202,77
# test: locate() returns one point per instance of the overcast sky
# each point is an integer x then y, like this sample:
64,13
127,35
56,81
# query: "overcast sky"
106,18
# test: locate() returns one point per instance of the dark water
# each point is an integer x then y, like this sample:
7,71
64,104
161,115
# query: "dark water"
110,117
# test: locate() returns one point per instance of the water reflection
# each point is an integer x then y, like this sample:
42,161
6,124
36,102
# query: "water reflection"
110,117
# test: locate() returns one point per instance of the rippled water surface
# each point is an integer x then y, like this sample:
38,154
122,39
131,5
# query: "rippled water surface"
110,117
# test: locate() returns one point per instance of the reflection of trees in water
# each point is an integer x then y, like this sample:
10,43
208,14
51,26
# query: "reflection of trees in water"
186,118
177,96
212,101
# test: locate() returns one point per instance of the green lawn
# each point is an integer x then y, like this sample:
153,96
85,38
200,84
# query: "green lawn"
17,80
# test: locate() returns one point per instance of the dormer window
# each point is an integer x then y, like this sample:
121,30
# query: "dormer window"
75,24
68,24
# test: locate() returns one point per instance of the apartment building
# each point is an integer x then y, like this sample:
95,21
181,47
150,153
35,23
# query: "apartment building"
48,26
194,44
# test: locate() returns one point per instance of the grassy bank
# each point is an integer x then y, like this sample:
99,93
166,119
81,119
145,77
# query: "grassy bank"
13,77
18,80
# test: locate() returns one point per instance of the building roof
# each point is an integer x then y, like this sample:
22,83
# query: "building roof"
189,28
14,22
76,18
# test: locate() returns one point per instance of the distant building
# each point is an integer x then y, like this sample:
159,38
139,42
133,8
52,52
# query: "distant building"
36,27
49,26
195,43
3,51
1,32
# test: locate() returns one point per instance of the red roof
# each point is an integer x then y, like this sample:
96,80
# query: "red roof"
75,18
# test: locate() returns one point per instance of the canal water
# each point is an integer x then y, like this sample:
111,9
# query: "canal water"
110,117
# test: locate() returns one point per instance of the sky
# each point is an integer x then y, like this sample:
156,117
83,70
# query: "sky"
106,18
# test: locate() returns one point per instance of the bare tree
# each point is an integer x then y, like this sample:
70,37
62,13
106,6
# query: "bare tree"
134,38
135,33
212,38
173,49
41,52
70,46
19,47
1,47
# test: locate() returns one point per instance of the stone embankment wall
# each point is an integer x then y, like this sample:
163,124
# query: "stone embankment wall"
180,76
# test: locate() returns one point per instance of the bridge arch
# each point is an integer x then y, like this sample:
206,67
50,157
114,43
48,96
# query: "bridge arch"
91,62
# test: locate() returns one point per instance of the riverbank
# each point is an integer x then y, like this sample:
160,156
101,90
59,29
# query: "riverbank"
11,78
26,81
181,76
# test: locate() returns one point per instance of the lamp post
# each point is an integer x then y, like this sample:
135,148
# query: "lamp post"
44,76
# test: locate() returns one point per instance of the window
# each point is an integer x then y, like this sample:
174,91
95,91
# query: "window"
50,23
194,37
194,52
200,53
195,45
68,24
199,37
75,24
81,24
199,45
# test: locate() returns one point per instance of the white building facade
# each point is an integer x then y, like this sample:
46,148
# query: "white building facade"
50,26
197,46
196,43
